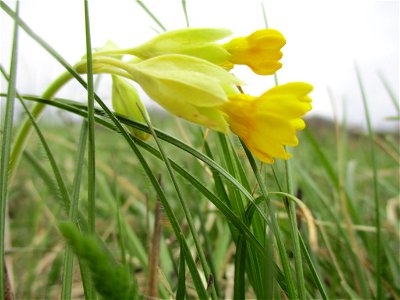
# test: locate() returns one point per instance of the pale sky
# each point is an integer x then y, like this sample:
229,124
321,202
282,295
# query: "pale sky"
324,40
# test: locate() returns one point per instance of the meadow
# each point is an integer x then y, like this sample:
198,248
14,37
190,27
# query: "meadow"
89,210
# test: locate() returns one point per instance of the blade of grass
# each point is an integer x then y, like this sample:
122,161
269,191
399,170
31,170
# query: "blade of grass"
151,15
207,243
240,269
5,152
236,199
185,12
91,136
291,211
391,93
121,228
181,288
379,257
66,288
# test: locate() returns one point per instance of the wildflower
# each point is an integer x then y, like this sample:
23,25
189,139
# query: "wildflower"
186,86
260,51
125,101
270,121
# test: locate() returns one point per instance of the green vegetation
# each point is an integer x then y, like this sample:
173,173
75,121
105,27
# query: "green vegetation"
340,239
94,212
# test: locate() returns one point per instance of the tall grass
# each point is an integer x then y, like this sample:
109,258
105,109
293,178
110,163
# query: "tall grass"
189,216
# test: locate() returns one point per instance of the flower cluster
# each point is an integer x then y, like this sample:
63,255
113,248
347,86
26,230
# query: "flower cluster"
187,72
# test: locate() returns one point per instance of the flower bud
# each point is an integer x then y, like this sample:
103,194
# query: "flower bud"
125,101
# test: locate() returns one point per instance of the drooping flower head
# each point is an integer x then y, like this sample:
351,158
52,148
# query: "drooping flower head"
270,121
260,51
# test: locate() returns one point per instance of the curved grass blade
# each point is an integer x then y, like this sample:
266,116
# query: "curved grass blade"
391,93
5,153
240,269
91,136
181,288
184,8
151,15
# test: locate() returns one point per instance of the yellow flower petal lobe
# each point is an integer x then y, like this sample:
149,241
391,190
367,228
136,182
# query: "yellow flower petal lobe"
269,122
260,51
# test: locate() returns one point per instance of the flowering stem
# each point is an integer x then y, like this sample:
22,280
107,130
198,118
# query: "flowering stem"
26,128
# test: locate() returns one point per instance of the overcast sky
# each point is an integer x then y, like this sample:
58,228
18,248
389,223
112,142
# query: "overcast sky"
324,41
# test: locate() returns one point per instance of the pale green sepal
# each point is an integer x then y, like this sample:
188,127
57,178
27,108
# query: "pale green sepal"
186,86
198,42
197,81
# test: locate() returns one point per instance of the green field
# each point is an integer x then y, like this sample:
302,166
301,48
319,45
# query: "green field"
332,176
91,211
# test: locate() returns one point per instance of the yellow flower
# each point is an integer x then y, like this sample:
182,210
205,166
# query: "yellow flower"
260,51
125,101
270,121
189,87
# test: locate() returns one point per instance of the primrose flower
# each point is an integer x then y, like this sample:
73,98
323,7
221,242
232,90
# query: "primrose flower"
125,101
186,86
270,121
260,51
197,42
